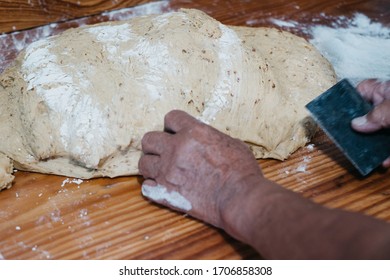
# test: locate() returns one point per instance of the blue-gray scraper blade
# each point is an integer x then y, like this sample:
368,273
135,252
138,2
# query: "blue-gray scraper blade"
334,110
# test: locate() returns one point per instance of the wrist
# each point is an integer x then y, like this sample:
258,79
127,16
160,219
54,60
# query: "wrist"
243,200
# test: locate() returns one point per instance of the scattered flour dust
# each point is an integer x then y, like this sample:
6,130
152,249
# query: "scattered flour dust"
159,193
357,47
283,23
310,147
35,248
71,181
302,167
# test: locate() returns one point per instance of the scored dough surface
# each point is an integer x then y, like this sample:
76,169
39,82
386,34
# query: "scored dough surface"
78,104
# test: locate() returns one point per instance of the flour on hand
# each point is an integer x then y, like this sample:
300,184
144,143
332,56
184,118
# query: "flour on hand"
161,194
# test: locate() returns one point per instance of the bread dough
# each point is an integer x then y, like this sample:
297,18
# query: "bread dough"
6,169
78,104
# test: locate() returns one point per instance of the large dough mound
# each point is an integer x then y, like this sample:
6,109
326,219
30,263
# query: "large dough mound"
79,103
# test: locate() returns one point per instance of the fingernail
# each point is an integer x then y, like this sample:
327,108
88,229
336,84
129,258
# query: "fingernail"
360,121
386,163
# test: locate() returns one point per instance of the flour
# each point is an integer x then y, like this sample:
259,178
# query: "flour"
111,37
42,72
112,34
307,159
159,193
70,181
357,47
83,213
230,50
357,52
283,23
301,168
55,216
35,53
155,66
19,40
44,254
157,7
163,20
86,221
310,147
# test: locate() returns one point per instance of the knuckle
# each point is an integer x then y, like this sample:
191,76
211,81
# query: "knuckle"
173,114
146,139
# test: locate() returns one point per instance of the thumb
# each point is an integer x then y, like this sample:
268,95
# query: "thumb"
386,163
376,119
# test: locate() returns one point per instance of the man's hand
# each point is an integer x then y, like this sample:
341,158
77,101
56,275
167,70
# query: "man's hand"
378,93
194,168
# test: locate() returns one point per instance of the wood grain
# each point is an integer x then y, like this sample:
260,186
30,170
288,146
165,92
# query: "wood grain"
23,14
99,219
46,217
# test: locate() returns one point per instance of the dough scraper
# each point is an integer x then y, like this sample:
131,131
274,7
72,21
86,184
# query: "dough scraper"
334,110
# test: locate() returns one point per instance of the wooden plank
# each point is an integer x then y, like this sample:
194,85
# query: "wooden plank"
50,217
42,217
23,14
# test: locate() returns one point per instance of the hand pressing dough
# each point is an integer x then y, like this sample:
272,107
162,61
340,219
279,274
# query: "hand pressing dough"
78,104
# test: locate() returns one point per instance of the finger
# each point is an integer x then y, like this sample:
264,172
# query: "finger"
149,182
156,143
374,91
376,119
386,163
149,166
177,120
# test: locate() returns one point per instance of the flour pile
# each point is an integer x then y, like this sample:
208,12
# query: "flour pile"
357,47
358,51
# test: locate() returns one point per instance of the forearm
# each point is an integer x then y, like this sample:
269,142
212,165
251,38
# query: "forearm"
281,224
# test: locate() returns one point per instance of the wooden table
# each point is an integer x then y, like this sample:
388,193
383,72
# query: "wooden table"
53,217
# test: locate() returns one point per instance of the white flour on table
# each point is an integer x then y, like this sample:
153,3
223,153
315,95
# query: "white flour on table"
357,47
357,52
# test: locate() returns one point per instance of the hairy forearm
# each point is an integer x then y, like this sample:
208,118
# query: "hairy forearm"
281,224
